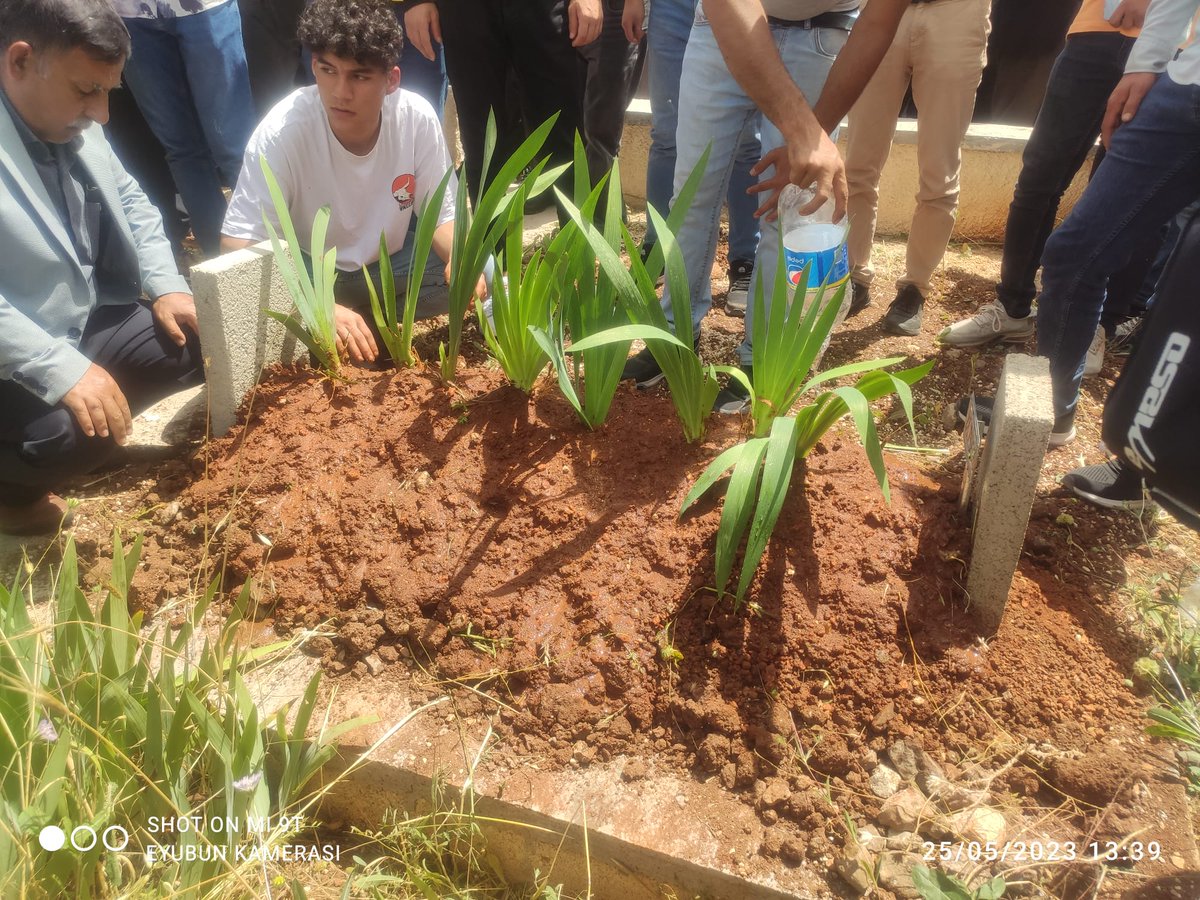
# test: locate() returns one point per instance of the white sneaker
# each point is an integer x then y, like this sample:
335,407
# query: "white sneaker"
990,324
1095,354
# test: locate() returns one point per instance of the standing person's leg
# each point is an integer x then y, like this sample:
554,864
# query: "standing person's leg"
156,75
613,67
872,124
477,64
272,49
1152,171
949,48
666,40
808,55
214,57
1064,133
714,113
712,108
550,73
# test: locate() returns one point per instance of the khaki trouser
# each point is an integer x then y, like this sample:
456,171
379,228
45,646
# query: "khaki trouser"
940,47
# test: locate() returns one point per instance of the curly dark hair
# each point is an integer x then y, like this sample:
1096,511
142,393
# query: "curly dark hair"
365,31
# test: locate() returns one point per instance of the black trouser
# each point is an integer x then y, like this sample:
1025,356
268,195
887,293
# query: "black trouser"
614,67
41,446
272,49
1066,129
484,39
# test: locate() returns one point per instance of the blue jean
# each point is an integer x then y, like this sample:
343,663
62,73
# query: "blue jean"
189,77
1065,131
666,39
1151,172
714,108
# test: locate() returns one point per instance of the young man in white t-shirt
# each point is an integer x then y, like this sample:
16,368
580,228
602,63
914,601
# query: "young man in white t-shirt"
357,143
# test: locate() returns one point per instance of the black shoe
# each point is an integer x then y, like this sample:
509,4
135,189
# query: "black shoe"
739,287
734,398
643,369
1062,433
904,314
860,298
1111,485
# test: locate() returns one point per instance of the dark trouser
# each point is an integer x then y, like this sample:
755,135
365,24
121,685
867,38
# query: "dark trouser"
272,49
426,77
614,67
42,446
1066,129
486,38
1151,172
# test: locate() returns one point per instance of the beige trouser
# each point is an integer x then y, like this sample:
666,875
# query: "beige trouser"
940,47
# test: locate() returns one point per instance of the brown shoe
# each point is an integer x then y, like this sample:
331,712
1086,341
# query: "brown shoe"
44,516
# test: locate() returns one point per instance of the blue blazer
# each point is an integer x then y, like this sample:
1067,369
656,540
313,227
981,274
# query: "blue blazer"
44,297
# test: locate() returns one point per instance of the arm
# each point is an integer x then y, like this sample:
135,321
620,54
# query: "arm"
229,244
865,48
1165,28
809,157
443,246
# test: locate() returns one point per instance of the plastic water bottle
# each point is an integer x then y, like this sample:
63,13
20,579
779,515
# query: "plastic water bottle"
813,240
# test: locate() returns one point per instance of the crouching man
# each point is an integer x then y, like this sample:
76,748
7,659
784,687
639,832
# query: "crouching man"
81,351
359,144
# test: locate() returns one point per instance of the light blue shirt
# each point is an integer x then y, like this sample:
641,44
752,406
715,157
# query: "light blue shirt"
1165,29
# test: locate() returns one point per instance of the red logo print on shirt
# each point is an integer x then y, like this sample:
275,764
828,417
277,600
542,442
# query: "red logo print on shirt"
404,188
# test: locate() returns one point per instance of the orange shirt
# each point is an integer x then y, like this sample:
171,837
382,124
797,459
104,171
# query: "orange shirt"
1091,18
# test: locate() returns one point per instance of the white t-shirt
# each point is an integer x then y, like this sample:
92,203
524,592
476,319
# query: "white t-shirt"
367,195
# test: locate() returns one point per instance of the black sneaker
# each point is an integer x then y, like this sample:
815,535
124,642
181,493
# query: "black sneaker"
739,287
643,369
860,298
1111,485
1062,433
904,314
734,398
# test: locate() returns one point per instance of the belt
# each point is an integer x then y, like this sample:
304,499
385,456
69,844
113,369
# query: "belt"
843,21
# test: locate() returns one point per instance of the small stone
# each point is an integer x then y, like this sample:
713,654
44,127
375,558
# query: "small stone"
168,514
422,480
374,664
856,870
583,753
769,817
680,801
389,654
774,793
1178,861
895,874
634,770
980,824
882,657
884,782
869,840
885,715
791,851
900,840
904,759
903,810
948,795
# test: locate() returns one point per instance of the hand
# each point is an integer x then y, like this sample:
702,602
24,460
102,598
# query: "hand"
173,313
1130,14
99,406
1124,102
354,335
585,18
819,168
481,288
633,21
422,26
